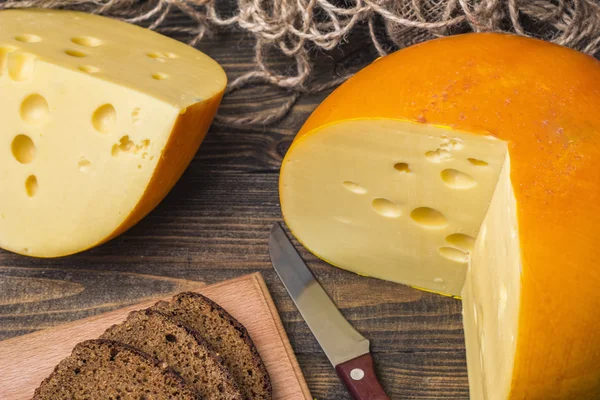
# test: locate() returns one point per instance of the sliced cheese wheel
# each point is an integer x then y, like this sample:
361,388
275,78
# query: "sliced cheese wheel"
100,119
468,166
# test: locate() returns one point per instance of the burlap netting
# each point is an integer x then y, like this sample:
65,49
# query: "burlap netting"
300,29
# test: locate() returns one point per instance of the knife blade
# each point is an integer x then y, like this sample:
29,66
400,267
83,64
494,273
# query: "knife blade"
346,349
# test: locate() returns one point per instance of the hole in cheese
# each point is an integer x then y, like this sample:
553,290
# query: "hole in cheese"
457,179
454,254
125,144
451,144
76,53
354,187
21,66
161,55
156,54
4,51
402,167
31,185
462,241
438,156
104,118
84,165
34,109
429,218
477,163
28,38
159,76
386,208
87,41
90,69
136,116
23,149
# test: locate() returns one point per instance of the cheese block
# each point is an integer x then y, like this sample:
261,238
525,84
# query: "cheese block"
468,166
100,119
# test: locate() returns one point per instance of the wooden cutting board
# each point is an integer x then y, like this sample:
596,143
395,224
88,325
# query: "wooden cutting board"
26,360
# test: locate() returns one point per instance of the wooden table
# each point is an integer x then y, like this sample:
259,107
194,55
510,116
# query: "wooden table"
214,225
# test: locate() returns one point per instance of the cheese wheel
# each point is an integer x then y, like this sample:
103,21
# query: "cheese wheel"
99,120
468,166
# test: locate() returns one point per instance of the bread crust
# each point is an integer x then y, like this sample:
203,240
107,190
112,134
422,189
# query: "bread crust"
259,367
216,361
170,376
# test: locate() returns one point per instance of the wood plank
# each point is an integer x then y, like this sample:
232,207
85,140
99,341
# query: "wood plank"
404,375
32,298
25,361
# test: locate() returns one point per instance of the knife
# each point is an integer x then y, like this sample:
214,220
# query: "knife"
345,348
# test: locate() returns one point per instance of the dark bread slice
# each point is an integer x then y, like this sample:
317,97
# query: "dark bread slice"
226,336
104,369
181,348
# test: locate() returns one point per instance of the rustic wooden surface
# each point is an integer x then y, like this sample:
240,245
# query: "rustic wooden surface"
246,298
214,226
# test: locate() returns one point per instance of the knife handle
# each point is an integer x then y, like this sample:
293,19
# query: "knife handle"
359,378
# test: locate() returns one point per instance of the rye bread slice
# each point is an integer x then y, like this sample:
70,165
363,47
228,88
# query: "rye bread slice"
226,336
181,348
104,369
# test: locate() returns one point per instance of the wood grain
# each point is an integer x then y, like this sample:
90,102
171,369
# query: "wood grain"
246,298
214,226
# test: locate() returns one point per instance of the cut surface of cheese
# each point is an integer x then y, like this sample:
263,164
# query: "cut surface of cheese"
379,202
100,119
491,296
459,166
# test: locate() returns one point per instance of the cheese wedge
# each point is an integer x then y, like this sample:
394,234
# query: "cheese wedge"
468,166
100,119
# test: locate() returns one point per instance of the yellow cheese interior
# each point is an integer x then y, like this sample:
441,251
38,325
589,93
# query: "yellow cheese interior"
87,107
86,179
110,50
421,205
391,199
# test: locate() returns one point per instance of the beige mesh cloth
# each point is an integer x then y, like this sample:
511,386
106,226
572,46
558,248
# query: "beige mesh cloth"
301,28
